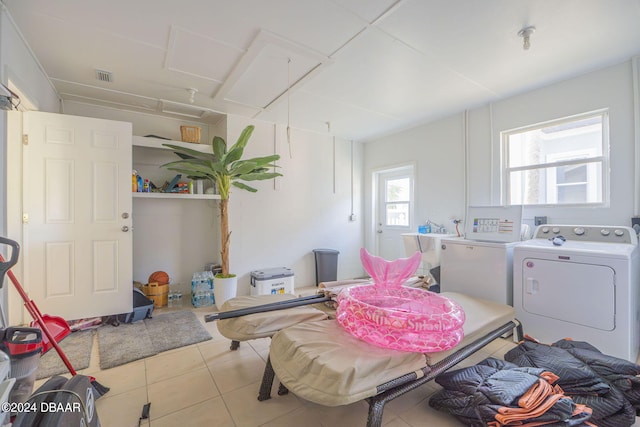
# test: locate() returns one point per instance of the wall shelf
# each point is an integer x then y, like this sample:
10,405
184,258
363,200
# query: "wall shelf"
176,196
148,142
150,166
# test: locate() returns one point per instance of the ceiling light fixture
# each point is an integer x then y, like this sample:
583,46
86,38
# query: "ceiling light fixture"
525,33
192,94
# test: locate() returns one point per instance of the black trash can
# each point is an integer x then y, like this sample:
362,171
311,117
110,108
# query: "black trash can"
326,265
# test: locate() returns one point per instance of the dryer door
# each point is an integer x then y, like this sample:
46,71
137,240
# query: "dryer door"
583,294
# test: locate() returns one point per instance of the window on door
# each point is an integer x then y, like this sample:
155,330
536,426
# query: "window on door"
397,201
563,162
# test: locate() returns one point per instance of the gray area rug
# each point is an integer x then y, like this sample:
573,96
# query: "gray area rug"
77,348
129,342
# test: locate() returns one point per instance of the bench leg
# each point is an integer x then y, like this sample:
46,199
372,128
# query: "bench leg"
519,332
282,390
267,382
234,345
376,408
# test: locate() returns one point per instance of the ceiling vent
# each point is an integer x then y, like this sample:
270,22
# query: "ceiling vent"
104,76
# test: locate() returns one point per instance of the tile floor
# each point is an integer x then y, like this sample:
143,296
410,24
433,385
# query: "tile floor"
207,385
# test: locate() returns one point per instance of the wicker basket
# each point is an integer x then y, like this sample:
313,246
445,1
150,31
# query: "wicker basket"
190,134
158,293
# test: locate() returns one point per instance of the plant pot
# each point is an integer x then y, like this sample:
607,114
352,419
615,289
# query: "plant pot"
224,288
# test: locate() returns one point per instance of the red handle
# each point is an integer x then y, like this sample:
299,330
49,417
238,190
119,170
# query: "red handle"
35,313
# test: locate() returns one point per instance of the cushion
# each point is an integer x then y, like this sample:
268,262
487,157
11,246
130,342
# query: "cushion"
322,363
483,316
261,325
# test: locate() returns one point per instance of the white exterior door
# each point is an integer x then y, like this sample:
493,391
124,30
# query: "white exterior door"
77,215
394,211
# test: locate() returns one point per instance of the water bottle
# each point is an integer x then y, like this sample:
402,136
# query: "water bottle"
210,297
193,289
195,284
206,289
201,290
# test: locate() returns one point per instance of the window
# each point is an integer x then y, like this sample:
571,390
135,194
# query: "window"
397,201
563,162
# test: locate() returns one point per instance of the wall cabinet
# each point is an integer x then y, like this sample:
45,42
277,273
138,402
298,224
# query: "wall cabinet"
150,153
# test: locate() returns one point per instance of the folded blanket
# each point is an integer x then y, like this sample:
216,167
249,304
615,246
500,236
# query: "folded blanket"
498,393
608,385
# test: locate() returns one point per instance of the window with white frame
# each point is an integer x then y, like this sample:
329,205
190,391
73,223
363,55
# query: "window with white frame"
397,201
563,162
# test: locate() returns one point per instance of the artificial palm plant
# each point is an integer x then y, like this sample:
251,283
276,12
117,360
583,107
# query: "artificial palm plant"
225,167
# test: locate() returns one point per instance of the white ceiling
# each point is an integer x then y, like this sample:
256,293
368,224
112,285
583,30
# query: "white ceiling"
356,68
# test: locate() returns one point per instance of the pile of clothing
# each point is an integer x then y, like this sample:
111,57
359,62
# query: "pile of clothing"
497,393
568,383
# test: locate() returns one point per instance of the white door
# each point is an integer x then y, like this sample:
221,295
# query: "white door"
394,211
77,215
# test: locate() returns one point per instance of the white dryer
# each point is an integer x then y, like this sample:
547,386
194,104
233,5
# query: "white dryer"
580,282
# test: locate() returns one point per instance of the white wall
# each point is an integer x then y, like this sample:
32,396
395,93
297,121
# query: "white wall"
19,66
610,88
438,148
18,70
308,208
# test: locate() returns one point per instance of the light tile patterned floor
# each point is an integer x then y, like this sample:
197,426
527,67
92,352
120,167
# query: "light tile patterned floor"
208,385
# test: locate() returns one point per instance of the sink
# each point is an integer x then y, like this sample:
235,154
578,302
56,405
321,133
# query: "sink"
428,244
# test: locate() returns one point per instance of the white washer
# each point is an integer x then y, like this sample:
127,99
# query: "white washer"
580,282
478,269
481,264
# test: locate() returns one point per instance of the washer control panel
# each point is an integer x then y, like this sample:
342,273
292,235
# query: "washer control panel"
588,233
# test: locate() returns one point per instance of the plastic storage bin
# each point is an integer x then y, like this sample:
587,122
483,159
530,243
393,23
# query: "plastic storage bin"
142,308
326,265
272,281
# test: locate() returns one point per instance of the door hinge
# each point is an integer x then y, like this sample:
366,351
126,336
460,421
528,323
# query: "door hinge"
25,218
25,139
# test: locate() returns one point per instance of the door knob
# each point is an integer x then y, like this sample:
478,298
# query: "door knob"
125,228
380,231
125,215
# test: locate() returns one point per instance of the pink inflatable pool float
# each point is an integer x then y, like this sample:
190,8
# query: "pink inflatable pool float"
393,316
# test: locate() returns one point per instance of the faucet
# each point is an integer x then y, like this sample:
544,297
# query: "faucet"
436,228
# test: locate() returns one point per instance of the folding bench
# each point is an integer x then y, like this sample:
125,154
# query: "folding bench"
261,324
322,363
